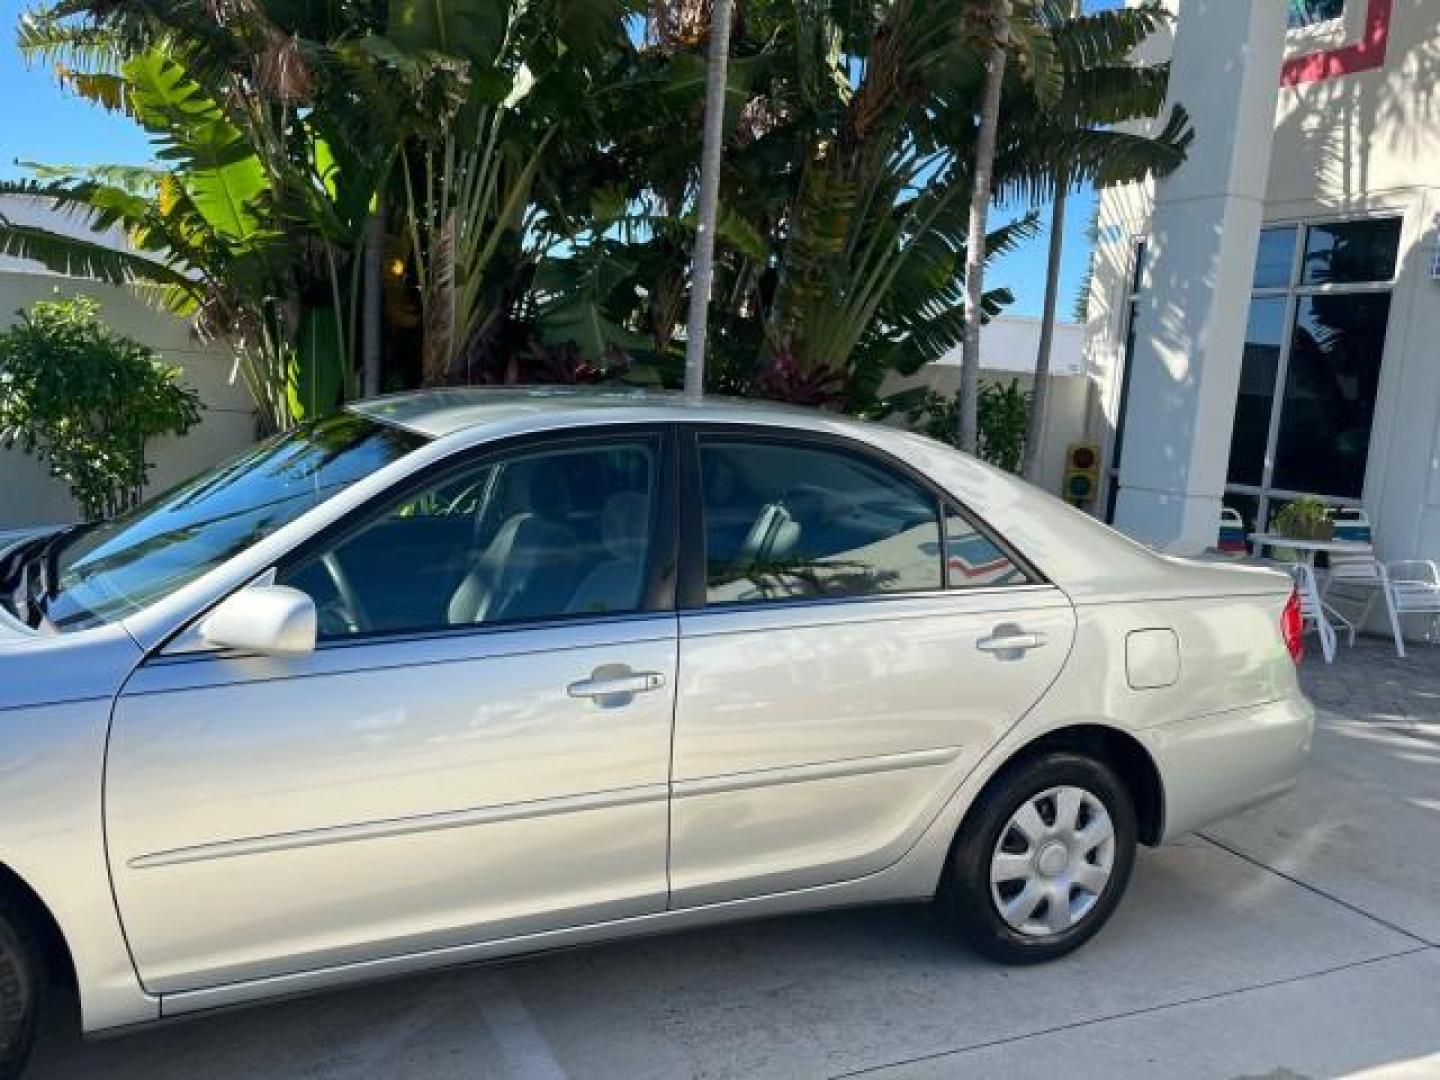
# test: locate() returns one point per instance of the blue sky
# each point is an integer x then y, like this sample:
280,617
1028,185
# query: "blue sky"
42,123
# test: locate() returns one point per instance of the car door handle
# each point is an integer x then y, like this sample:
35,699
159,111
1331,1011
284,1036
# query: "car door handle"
1013,641
616,685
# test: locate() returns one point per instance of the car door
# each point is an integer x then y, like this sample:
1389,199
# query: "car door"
478,747
851,642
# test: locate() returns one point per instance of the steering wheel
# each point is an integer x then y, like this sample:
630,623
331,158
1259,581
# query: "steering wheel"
349,609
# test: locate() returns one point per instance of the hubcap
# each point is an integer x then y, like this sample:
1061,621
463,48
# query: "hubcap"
1052,861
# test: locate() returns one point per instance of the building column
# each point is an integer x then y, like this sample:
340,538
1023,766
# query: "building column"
1201,249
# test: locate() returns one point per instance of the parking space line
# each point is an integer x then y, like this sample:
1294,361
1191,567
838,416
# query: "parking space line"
1317,891
870,1070
524,1049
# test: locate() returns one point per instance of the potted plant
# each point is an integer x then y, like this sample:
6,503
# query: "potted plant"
1307,518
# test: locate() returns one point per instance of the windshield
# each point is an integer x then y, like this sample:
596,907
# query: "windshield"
107,571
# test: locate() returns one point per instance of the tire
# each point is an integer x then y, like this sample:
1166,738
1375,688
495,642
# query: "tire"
1016,832
19,996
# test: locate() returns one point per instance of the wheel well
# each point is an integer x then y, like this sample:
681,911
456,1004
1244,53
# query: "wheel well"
25,907
1123,753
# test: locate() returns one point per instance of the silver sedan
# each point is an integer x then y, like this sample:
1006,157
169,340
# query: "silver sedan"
457,675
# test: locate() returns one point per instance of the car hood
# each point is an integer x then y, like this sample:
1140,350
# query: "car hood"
46,669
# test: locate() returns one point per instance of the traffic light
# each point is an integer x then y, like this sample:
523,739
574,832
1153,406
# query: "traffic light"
1082,473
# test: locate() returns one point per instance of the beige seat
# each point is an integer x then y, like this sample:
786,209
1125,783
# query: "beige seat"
617,583
527,569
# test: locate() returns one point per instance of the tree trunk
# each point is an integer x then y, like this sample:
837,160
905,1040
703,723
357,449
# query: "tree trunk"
697,324
373,298
979,214
1040,394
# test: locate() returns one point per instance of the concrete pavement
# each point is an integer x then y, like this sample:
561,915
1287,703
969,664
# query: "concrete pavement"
1299,939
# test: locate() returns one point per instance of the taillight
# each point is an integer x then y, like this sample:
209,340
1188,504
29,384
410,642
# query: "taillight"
1292,627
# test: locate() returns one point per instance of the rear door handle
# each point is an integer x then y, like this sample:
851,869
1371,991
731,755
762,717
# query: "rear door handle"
614,685
1012,641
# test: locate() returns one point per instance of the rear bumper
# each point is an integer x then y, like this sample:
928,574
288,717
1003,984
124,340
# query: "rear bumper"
1215,765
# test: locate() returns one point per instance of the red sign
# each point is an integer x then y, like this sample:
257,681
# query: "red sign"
1362,55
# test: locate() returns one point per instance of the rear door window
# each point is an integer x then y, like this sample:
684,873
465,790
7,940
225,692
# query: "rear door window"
788,521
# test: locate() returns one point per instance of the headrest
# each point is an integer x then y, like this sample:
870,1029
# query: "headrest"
624,523
543,489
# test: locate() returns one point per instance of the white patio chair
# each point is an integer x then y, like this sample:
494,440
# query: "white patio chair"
1412,587
1312,610
1348,571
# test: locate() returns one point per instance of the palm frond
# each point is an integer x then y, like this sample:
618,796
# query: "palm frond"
76,257
43,36
1103,37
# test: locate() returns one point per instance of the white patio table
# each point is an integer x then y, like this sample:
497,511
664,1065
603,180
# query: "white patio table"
1308,549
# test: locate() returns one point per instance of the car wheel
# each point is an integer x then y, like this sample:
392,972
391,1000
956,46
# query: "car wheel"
1042,859
19,991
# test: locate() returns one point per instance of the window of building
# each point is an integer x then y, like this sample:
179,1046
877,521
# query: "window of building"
1310,374
1310,12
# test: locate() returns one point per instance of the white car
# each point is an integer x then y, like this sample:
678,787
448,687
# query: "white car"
457,675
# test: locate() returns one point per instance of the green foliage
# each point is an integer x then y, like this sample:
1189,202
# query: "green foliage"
1003,410
85,400
527,169
315,370
1307,518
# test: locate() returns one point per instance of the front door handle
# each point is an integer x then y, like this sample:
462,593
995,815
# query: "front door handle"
1009,642
615,684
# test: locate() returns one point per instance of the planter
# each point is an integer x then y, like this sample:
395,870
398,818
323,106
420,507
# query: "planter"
1319,531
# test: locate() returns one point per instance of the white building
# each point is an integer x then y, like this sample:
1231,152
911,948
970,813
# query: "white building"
28,494
1265,323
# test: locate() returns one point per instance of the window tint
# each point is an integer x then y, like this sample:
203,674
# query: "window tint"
973,560
785,521
1310,12
534,535
1330,391
1351,252
110,570
1258,368
1274,261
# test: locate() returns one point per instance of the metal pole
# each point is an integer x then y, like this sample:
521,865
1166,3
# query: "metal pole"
703,272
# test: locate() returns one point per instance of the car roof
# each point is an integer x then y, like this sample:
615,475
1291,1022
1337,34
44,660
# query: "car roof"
441,412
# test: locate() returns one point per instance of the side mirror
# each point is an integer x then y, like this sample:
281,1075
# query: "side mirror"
274,620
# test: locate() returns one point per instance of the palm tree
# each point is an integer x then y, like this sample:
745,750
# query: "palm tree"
707,210
998,33
1102,87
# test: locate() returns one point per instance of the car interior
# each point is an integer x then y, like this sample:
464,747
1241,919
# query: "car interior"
803,522
554,533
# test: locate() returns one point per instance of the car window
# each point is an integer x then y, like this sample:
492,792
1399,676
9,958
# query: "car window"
973,560
536,534
789,521
109,570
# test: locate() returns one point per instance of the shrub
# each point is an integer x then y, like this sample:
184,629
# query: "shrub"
84,400
1003,419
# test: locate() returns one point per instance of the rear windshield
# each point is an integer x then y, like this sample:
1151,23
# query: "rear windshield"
105,572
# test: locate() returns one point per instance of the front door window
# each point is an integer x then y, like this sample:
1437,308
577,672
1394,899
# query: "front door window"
534,535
